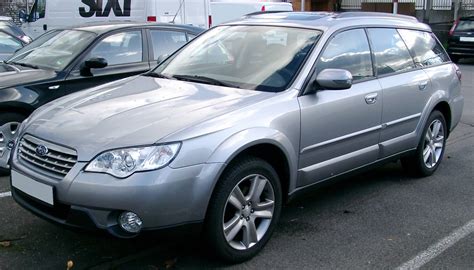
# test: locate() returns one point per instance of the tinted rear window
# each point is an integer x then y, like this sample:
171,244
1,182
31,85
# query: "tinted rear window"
424,47
465,25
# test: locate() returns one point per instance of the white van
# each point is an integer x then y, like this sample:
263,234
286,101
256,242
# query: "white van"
227,10
49,14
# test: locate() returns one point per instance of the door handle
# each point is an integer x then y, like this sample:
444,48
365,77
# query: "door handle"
422,86
371,98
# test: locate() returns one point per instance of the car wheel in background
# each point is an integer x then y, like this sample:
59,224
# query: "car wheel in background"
430,150
244,209
9,123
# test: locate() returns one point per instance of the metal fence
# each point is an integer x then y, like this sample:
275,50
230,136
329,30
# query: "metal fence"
419,4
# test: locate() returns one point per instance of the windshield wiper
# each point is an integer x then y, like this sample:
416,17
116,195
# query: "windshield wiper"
159,75
203,79
24,65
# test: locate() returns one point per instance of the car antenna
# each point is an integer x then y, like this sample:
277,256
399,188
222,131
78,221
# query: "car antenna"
179,9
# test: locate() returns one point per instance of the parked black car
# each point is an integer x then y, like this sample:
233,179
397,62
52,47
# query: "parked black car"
64,61
461,39
9,44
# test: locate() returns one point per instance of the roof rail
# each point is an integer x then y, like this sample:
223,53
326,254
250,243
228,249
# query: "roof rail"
353,14
263,12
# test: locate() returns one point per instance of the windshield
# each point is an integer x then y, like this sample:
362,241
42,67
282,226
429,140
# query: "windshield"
264,58
54,50
465,26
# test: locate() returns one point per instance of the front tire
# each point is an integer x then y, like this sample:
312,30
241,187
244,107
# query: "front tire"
9,123
430,150
244,210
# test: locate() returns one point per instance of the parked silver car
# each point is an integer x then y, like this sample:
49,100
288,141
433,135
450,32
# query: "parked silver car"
237,122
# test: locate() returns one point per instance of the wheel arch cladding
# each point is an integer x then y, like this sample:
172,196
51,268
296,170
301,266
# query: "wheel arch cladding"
268,144
444,108
272,154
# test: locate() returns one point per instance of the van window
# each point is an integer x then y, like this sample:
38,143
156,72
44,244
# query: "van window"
391,53
38,10
166,42
121,48
425,49
348,50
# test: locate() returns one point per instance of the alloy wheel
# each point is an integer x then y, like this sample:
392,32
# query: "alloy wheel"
434,144
248,212
7,134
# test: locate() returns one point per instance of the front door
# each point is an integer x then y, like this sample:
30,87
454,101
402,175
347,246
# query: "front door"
340,128
126,54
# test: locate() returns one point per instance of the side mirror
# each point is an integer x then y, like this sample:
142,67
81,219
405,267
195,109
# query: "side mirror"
162,58
334,79
95,62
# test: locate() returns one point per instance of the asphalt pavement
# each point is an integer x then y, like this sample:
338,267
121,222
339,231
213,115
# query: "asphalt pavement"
383,219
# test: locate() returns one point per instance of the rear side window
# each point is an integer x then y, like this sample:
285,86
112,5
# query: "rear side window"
424,47
391,53
348,50
166,42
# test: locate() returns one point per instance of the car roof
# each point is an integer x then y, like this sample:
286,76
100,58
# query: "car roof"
104,27
331,20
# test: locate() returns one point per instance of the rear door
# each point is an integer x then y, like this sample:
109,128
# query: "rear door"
340,128
406,89
126,53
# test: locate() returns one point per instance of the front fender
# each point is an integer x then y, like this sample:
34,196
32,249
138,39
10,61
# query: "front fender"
238,142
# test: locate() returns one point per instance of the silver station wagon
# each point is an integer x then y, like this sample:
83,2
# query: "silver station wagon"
237,122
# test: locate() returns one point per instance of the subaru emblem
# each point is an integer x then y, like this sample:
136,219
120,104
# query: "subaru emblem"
42,150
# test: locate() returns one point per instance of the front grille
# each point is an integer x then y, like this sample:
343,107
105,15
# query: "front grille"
57,162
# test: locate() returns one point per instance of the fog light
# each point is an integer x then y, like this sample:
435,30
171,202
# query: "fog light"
130,222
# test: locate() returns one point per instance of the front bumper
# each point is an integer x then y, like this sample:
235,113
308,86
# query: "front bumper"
164,198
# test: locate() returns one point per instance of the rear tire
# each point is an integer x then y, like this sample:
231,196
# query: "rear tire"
244,210
9,123
430,150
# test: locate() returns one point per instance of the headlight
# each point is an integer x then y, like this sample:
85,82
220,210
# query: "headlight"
122,163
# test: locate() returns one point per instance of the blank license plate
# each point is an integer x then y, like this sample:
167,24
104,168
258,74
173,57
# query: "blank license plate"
467,39
33,188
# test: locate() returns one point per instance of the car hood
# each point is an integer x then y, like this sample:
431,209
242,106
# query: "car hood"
12,76
136,112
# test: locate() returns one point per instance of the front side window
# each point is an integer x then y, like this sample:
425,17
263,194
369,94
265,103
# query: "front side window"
166,42
391,53
121,48
8,44
425,49
56,51
263,58
348,50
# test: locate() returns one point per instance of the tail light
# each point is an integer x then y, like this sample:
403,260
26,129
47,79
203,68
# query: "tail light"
451,31
458,72
263,8
210,21
151,19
